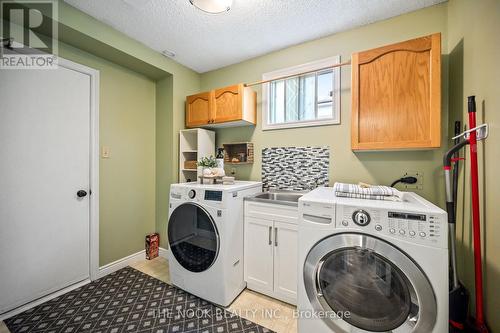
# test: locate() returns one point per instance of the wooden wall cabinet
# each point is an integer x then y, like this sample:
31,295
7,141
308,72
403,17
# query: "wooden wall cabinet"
199,109
235,105
396,96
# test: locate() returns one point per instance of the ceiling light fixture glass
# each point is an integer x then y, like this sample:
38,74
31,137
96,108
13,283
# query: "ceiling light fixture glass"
212,6
168,53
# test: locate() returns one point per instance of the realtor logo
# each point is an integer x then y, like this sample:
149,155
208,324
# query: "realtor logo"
29,34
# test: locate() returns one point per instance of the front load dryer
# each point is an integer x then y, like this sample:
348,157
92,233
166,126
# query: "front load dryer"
371,266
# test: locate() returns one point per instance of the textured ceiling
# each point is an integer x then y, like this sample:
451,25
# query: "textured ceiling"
251,28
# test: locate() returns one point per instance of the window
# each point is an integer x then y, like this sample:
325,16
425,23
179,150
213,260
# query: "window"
311,99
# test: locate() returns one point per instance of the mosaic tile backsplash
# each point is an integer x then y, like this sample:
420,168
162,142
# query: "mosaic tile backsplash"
295,168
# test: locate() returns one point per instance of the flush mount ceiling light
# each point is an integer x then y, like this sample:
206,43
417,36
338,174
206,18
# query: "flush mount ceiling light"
212,6
168,53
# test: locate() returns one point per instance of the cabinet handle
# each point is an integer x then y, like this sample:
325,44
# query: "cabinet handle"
270,231
275,236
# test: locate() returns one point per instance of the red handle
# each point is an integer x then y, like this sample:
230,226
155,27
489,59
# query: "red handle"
476,217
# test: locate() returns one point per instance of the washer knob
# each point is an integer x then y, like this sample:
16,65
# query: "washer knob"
392,230
361,217
412,233
402,232
378,227
191,194
423,234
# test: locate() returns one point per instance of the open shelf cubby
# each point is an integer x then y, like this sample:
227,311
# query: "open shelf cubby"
238,153
194,144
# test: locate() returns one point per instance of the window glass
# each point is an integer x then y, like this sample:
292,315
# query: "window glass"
307,97
303,100
277,102
292,100
325,94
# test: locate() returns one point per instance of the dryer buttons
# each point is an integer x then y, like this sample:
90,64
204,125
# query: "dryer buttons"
191,194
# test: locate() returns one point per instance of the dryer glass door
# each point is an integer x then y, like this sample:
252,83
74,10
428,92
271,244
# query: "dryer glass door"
193,237
371,285
367,285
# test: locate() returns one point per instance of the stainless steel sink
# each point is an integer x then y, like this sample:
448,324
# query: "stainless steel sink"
283,197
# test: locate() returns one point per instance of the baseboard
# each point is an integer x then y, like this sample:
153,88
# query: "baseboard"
164,253
41,300
120,263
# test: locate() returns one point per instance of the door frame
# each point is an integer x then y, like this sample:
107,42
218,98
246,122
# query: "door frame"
94,162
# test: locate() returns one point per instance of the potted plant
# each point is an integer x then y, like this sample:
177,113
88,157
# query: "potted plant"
206,164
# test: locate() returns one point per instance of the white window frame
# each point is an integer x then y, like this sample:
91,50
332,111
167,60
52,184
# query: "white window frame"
310,66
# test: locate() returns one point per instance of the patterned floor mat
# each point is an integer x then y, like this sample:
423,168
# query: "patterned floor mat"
129,301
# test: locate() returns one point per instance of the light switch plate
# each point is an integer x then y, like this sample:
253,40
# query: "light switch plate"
105,152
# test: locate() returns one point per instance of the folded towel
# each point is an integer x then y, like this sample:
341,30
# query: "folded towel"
371,192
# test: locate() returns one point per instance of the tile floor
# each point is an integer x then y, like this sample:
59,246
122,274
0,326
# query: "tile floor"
260,309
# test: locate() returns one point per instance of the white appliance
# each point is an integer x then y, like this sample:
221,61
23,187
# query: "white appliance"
371,265
205,235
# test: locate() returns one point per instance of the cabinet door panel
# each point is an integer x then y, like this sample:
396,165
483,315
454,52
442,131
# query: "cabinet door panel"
228,103
285,261
396,95
198,109
259,254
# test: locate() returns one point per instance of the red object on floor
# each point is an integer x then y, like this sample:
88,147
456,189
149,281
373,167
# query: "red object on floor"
152,245
476,225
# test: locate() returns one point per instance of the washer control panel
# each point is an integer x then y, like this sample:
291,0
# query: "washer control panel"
416,227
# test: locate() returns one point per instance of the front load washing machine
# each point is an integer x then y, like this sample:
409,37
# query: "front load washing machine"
372,266
205,235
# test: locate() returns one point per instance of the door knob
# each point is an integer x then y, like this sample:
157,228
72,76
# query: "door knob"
81,193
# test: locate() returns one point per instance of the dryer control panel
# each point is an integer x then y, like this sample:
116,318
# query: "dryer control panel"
423,228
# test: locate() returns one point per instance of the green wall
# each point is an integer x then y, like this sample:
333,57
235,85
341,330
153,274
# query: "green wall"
127,179
474,45
346,166
142,109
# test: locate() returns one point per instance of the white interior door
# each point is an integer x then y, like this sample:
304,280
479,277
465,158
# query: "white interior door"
44,162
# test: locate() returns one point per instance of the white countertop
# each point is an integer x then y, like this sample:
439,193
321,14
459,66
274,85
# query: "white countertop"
237,186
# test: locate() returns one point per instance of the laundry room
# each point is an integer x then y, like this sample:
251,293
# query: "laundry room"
249,166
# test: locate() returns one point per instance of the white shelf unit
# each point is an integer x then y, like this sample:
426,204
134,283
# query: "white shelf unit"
194,144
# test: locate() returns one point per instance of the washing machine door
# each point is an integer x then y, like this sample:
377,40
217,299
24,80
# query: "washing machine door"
193,237
360,283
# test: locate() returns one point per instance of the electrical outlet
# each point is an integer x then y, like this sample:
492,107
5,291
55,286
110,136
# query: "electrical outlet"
419,185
